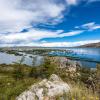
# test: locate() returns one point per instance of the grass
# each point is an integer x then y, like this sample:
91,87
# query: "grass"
11,86
79,92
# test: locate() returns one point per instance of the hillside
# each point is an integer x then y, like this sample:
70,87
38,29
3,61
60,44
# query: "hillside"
96,45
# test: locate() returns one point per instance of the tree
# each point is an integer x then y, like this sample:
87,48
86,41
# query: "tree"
48,68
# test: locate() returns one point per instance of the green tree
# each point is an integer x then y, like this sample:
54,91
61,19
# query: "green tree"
48,68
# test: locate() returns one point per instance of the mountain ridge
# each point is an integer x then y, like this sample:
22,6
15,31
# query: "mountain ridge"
96,45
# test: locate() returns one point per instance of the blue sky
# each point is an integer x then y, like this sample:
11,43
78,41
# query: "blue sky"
49,23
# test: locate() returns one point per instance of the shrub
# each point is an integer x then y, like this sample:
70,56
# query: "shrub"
34,72
48,68
18,73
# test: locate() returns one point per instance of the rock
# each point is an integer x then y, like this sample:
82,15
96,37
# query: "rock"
45,90
54,77
27,95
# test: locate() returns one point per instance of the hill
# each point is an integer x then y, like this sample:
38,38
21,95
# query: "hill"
96,45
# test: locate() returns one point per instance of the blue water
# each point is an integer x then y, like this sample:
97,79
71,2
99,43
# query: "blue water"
91,54
89,57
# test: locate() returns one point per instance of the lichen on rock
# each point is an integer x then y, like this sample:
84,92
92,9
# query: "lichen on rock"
45,89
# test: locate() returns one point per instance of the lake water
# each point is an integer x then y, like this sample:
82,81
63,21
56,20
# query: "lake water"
90,54
11,58
88,57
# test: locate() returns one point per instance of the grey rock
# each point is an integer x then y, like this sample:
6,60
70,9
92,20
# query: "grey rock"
46,88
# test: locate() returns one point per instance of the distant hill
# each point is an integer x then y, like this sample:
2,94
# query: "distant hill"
96,45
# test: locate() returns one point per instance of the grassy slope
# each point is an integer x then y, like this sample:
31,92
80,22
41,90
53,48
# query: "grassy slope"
10,86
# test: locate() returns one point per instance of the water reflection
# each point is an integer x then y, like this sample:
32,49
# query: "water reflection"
34,60
92,55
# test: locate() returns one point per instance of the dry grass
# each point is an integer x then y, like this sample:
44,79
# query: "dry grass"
78,92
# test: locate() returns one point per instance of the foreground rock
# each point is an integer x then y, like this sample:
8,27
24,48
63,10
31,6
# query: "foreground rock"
45,90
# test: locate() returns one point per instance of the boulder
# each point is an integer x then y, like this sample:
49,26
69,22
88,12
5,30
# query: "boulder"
45,89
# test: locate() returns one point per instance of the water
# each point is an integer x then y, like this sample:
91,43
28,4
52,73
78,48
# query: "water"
35,60
88,57
92,54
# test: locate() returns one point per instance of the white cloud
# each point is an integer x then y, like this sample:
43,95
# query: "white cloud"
53,44
68,44
72,2
26,36
89,26
72,33
16,15
35,35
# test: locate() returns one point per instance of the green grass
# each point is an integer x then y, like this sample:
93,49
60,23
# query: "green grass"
16,78
9,86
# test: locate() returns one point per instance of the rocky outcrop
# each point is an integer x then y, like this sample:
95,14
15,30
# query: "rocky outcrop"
45,90
64,62
68,64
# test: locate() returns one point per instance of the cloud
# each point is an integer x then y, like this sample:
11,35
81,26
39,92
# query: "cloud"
35,35
53,44
91,1
71,33
31,35
89,26
68,44
76,2
72,2
19,14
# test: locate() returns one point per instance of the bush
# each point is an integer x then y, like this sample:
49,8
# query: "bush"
18,73
85,73
48,68
98,78
34,72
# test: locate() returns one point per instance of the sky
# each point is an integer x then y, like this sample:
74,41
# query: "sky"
49,23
